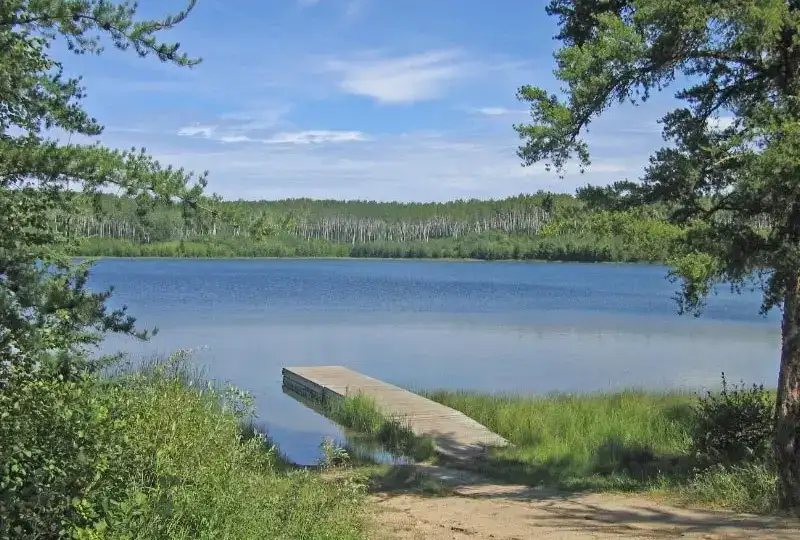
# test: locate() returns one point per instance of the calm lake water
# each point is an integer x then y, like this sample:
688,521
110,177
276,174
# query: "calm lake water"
495,327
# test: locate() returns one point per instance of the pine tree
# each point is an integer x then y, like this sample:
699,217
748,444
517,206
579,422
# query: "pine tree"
46,311
731,173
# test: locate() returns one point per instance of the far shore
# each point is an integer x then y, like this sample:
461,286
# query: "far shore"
330,258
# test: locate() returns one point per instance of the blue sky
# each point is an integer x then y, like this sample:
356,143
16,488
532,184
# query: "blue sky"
353,99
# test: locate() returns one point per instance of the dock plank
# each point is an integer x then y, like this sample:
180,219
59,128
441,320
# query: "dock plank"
455,434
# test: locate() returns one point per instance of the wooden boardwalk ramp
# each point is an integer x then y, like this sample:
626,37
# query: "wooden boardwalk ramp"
455,435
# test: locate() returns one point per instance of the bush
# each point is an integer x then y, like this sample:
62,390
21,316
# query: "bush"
734,425
155,455
62,446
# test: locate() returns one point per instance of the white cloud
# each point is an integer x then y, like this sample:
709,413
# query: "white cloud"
286,137
404,79
234,139
497,111
410,166
197,130
316,136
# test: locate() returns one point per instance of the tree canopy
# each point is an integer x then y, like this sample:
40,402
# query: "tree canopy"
44,305
731,169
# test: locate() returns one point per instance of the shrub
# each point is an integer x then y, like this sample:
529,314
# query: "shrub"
63,446
152,455
734,425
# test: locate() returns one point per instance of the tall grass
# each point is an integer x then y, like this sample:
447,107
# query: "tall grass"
360,413
228,480
588,441
626,441
749,487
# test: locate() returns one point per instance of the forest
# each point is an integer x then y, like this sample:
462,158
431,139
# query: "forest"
540,226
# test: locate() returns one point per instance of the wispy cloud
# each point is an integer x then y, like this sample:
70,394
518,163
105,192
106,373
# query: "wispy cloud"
234,139
197,130
400,79
316,137
265,113
351,165
288,137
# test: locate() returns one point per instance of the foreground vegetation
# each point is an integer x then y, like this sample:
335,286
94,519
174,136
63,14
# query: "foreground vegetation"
154,454
713,450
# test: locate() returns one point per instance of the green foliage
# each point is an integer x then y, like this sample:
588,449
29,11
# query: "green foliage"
44,305
333,455
734,425
338,221
357,412
647,236
64,436
155,454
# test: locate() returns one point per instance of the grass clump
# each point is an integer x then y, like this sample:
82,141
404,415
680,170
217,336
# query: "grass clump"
153,455
360,413
749,487
580,441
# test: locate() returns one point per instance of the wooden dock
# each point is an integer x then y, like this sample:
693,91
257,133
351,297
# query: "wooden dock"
455,435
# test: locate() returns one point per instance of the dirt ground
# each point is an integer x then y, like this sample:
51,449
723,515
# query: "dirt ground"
477,510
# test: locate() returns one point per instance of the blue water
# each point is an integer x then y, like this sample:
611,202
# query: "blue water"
532,327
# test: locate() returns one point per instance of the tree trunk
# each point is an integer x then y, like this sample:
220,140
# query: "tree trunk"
787,420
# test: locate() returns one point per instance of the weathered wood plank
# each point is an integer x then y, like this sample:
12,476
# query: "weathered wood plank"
455,434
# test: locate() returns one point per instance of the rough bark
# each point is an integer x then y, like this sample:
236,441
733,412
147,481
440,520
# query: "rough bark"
787,421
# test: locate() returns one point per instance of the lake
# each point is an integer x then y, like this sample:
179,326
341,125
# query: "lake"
494,327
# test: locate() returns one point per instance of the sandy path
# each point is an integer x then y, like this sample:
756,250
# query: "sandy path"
478,510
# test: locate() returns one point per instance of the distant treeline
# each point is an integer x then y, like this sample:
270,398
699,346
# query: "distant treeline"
352,222
542,226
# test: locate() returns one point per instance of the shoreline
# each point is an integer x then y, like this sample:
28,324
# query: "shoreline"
638,442
333,258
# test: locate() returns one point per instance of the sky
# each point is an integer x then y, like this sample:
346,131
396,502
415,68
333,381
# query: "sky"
409,100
